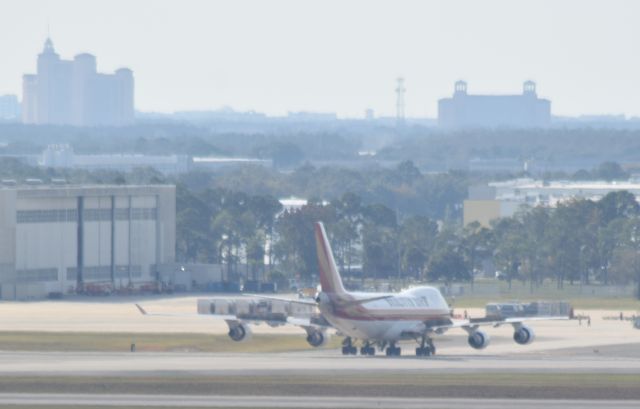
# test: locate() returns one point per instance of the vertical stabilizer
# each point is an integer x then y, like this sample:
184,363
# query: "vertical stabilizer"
330,280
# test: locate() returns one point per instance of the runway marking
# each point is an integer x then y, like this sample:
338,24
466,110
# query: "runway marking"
217,401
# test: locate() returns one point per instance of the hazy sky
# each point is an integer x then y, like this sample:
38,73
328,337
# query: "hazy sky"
339,56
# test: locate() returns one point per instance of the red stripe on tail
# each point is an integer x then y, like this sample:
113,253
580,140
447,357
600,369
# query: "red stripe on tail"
330,280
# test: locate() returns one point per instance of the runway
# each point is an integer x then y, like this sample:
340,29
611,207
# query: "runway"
584,366
310,362
221,401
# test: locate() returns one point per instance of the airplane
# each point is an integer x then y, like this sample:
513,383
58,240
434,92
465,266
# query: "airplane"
378,319
418,314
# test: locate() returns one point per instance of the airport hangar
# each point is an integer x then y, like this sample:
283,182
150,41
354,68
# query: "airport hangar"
57,239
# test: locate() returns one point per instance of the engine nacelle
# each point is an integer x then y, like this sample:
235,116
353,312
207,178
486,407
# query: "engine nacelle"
478,340
524,335
317,338
239,332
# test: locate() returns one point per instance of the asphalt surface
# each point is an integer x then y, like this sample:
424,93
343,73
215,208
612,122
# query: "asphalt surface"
310,362
221,401
605,348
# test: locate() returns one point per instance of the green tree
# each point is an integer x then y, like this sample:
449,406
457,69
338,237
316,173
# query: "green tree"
611,171
477,245
379,251
416,239
627,260
449,266
295,244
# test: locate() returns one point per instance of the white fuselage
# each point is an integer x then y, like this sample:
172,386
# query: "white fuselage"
389,319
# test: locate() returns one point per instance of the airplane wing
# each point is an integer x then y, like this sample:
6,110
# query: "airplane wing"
292,300
311,322
475,323
471,325
205,316
317,322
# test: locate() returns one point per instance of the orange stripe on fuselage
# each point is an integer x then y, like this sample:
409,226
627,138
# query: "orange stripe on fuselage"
398,316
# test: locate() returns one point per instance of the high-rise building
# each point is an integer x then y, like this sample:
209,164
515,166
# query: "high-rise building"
492,111
72,92
9,107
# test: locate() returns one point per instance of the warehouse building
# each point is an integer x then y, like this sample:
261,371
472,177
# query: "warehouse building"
61,239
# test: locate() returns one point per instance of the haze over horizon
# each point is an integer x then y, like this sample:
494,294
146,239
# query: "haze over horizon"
342,57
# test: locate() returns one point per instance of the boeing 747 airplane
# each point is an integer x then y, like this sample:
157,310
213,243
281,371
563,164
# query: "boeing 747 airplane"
385,319
375,319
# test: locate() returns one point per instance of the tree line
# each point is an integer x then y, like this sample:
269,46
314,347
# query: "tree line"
577,242
395,222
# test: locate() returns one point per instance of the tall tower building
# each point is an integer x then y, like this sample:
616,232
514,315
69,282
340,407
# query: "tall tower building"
72,92
400,90
84,70
29,99
124,96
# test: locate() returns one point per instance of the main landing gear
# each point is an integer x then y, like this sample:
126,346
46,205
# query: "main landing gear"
426,347
367,349
393,350
348,348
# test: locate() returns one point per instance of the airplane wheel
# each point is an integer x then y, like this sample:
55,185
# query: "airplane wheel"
367,351
346,350
393,351
426,351
354,351
433,349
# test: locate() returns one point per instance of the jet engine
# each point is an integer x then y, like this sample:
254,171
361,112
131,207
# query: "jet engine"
478,340
524,335
316,338
239,332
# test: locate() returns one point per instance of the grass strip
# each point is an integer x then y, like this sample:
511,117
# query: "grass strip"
490,385
151,342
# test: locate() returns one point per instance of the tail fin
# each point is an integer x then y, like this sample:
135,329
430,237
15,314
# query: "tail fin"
330,280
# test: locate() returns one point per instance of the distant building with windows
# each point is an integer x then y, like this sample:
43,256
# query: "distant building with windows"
463,110
72,92
9,108
63,156
503,199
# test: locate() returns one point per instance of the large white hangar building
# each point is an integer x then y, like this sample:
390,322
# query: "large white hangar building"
60,239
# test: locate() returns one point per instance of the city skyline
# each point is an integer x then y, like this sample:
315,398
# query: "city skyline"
73,92
307,56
